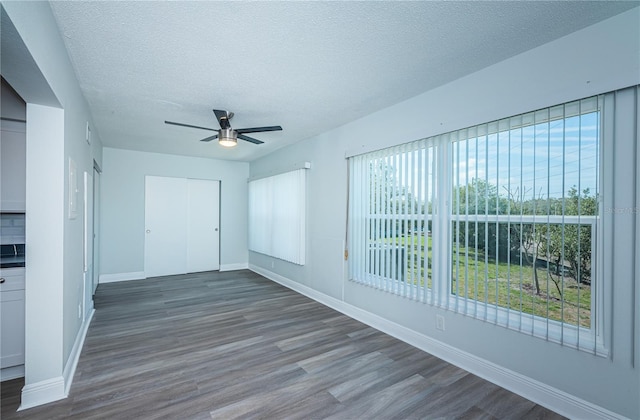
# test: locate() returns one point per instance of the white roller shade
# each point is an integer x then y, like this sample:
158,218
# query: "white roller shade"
277,216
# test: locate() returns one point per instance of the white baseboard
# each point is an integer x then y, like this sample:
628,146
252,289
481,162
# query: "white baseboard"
233,267
72,361
42,392
111,278
139,275
554,399
13,372
55,389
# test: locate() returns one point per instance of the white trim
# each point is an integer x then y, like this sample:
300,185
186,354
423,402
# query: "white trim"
90,310
636,298
288,168
13,372
72,361
57,388
559,401
42,392
111,278
233,267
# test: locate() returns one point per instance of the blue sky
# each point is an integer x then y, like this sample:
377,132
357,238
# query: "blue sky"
544,159
548,158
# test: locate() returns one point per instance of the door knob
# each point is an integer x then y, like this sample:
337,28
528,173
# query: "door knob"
148,230
216,229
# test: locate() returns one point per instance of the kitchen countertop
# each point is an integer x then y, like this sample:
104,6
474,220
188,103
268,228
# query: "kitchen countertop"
11,262
12,255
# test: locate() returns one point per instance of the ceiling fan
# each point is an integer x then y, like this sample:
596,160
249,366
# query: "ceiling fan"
228,136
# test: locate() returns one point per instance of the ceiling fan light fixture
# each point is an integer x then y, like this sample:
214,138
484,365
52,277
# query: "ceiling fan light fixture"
227,137
228,142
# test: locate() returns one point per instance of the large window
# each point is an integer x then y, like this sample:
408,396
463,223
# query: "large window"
497,221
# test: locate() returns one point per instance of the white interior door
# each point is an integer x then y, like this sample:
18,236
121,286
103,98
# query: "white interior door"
96,230
165,215
88,244
203,225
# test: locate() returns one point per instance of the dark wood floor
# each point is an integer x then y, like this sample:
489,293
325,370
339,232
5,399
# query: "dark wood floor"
234,344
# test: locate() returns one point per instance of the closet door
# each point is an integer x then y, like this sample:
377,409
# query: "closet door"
203,225
182,226
165,215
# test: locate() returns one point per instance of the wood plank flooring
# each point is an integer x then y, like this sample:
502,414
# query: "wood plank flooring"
236,345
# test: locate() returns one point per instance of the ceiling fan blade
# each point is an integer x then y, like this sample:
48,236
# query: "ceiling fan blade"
249,139
258,129
223,118
215,136
189,125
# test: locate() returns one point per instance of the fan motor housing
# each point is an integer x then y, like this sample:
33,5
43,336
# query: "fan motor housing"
228,133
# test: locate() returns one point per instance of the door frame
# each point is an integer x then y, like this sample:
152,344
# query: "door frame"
97,173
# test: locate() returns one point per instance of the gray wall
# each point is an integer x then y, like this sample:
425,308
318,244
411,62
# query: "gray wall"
598,59
11,105
122,205
36,64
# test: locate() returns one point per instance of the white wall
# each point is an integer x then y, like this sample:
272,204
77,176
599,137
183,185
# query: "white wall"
122,207
41,73
44,268
595,60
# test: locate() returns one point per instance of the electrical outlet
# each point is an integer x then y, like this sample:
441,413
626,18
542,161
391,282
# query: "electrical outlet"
440,322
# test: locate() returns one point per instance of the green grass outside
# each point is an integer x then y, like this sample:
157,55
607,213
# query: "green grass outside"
509,285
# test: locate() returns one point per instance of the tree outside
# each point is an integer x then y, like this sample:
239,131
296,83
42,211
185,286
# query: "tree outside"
541,267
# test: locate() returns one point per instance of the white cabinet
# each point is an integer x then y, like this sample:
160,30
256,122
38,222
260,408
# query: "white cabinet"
11,317
13,160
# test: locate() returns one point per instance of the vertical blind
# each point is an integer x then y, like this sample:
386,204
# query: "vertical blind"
391,218
498,221
523,222
277,209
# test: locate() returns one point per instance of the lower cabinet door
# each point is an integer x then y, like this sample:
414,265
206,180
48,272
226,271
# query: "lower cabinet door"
12,327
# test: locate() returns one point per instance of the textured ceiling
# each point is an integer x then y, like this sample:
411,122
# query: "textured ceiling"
307,66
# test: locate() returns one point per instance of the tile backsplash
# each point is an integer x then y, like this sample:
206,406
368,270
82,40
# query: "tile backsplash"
11,228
